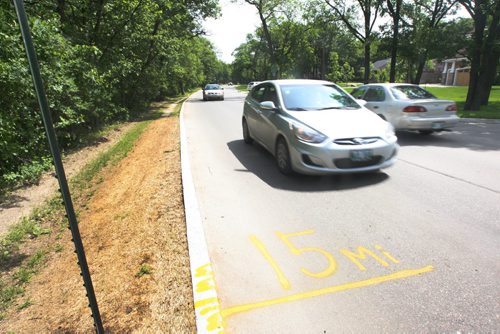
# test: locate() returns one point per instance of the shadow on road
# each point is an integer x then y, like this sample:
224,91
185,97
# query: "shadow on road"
226,99
474,136
260,162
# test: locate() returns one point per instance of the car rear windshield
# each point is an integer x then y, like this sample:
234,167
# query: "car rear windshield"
212,87
316,97
410,93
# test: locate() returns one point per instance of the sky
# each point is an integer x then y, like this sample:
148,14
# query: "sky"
237,21
231,29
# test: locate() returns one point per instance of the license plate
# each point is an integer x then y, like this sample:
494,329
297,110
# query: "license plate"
437,125
361,155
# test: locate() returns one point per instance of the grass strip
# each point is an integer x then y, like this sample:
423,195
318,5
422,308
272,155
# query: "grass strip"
111,156
18,266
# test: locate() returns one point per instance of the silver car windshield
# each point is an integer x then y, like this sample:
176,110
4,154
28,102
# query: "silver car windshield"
316,97
212,87
410,93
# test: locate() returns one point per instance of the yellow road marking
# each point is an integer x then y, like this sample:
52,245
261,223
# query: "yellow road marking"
285,283
333,289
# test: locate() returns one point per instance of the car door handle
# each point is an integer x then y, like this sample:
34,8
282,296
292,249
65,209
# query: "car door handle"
375,107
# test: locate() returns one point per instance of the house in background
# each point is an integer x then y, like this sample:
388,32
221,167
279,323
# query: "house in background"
449,72
456,72
430,75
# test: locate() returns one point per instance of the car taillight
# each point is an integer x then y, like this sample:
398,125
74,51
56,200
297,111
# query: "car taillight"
414,109
451,107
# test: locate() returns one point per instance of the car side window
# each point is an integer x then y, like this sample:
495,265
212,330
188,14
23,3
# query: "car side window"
271,95
258,93
375,94
357,93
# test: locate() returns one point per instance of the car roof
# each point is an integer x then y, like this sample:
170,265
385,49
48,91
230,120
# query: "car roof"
298,82
388,84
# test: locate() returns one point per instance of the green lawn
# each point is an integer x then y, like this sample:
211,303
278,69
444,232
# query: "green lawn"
459,94
242,88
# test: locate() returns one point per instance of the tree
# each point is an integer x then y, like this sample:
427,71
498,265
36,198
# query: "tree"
394,8
266,9
339,72
426,17
346,12
101,61
485,51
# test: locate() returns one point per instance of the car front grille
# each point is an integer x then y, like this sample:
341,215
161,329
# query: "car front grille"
356,141
346,163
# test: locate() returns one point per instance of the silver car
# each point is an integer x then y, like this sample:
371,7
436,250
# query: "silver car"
213,92
251,84
315,127
408,107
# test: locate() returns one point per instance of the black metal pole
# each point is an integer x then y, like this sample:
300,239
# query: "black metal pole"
61,176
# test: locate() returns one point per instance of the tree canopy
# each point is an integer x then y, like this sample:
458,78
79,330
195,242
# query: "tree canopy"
101,61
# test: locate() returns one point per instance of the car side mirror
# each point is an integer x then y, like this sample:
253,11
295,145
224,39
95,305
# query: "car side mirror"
361,102
268,105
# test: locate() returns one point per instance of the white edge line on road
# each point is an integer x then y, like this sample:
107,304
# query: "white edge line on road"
208,318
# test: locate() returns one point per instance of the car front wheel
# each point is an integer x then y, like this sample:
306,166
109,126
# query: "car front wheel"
283,157
246,134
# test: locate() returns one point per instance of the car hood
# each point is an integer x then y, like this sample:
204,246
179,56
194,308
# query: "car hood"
343,123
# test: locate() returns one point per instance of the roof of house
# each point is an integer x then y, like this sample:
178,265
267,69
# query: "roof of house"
379,64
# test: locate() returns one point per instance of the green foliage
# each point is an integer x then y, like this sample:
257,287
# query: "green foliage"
380,75
339,72
145,269
101,62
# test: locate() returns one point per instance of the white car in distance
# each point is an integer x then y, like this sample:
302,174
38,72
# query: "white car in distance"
408,107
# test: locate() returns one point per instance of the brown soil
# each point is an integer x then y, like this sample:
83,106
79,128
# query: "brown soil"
22,201
134,218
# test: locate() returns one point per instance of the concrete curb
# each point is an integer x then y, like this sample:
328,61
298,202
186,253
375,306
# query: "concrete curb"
479,120
206,303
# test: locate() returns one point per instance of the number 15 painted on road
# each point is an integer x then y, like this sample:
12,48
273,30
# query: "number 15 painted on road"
331,263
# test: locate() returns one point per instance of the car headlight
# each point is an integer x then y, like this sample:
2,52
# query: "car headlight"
307,134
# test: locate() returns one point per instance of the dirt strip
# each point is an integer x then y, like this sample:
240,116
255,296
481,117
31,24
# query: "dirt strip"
134,234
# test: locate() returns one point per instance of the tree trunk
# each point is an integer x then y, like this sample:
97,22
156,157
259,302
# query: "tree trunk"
394,46
367,62
489,60
270,46
490,79
473,103
61,10
420,68
323,64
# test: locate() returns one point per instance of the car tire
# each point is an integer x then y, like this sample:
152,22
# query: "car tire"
283,157
246,133
425,132
222,98
204,98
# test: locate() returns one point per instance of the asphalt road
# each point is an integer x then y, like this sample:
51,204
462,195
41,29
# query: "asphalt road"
414,248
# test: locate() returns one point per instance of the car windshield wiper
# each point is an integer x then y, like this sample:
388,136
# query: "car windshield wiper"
297,109
327,108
